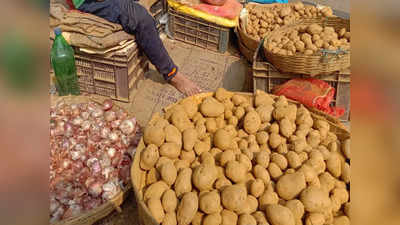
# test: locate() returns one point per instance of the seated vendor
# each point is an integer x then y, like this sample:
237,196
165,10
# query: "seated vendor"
135,20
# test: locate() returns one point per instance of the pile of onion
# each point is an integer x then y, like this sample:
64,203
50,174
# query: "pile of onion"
91,146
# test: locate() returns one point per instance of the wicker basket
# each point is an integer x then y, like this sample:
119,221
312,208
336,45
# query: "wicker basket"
91,216
138,176
319,63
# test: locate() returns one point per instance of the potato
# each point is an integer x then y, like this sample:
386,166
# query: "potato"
238,99
161,161
190,107
149,157
257,187
233,121
250,205
156,209
314,138
221,94
244,160
341,220
169,219
261,173
204,176
293,159
274,140
346,209
265,112
233,197
188,156
152,176
183,183
173,135
246,219
274,170
327,12
314,29
180,164
262,137
228,217
198,218
248,153
180,120
347,36
260,218
210,202
187,208
169,201
327,181
308,52
345,173
334,166
252,122
226,156
211,125
308,172
300,46
212,219
290,185
153,135
189,138
170,150
297,208
262,98
279,160
262,158
211,107
168,173
346,148
340,195
315,219
221,183
315,199
235,171
239,112
279,215
267,198
201,147
222,139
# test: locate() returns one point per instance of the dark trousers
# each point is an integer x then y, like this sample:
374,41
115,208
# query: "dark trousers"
135,20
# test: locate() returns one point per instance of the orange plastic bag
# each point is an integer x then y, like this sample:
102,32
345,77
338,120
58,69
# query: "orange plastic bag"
311,92
231,9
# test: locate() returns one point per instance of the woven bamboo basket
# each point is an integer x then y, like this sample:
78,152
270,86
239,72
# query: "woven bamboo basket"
138,176
322,62
94,215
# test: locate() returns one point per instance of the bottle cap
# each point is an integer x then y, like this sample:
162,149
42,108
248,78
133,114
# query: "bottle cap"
57,31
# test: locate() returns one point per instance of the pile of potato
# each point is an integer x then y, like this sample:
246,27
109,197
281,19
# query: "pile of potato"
309,39
263,20
229,160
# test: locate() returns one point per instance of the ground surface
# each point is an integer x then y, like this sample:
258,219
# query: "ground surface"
210,70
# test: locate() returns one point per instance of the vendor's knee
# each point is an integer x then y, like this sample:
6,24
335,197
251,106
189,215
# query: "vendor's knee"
144,18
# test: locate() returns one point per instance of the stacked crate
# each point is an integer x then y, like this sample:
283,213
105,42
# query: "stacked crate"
112,76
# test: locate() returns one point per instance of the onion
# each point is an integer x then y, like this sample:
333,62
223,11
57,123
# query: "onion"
75,155
115,123
127,126
110,116
69,130
113,136
105,132
107,104
85,115
77,121
97,113
85,125
95,189
111,152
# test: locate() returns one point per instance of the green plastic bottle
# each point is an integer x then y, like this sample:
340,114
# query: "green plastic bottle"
63,62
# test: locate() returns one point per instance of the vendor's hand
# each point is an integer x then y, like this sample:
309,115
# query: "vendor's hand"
184,85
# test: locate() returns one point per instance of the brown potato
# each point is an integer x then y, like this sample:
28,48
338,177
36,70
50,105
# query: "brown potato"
228,217
233,197
279,215
169,201
149,157
156,209
187,208
235,171
210,202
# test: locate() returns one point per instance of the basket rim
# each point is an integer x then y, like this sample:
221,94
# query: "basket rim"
112,203
334,123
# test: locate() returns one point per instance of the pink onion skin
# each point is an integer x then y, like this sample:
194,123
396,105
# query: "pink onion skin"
107,104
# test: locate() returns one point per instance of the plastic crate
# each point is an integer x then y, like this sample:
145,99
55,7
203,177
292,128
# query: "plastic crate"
197,31
112,76
157,10
266,77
